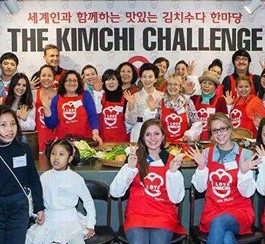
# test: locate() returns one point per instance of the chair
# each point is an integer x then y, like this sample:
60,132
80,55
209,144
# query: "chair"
100,191
121,234
197,236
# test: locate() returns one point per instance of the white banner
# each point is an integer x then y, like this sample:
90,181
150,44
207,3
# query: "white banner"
106,33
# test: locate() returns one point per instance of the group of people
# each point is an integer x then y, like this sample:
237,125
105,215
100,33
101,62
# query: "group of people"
120,107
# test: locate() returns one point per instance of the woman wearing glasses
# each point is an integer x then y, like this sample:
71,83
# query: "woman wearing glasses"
225,173
72,110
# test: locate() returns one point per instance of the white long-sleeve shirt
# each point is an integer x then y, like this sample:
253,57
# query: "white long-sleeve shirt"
174,183
261,177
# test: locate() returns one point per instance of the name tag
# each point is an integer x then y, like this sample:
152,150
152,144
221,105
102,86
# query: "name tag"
119,109
230,165
181,111
211,110
157,163
20,161
77,104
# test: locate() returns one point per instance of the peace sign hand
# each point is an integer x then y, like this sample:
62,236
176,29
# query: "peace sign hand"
132,159
176,162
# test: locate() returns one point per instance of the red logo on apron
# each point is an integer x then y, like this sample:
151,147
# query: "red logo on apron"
203,116
69,110
236,117
153,182
110,116
173,123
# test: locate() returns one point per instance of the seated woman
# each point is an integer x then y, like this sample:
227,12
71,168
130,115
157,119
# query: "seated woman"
141,102
72,110
176,112
225,173
156,185
20,99
208,102
247,109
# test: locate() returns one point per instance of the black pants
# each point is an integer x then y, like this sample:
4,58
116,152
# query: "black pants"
14,219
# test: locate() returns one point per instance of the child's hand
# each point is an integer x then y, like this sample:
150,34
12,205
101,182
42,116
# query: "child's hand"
40,218
132,159
197,156
176,163
247,165
90,233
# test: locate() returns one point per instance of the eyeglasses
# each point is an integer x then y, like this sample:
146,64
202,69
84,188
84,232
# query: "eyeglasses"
173,84
221,130
244,59
71,81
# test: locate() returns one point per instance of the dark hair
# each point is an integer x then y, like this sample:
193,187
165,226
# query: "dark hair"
109,74
261,89
49,47
71,149
149,66
4,109
26,98
259,133
160,60
11,56
216,62
181,62
88,66
142,151
49,67
241,52
61,89
134,71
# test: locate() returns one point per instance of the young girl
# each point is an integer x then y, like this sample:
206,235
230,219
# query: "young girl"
111,107
14,206
20,99
224,172
45,93
208,102
156,185
247,110
62,188
90,78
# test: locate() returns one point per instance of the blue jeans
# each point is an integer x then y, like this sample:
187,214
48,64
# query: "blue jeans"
149,235
222,230
14,219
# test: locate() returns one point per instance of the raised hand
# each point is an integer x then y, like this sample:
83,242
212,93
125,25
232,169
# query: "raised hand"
191,67
247,165
23,112
98,85
229,99
34,83
176,162
130,99
197,156
262,64
260,151
132,159
188,87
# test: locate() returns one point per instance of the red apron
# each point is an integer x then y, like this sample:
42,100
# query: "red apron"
44,133
73,118
149,206
112,125
173,123
223,197
204,111
263,219
233,85
240,119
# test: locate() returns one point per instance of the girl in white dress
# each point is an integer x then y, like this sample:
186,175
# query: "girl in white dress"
62,188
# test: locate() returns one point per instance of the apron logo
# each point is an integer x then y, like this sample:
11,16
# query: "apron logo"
203,116
110,115
173,123
69,110
153,182
236,117
221,182
41,115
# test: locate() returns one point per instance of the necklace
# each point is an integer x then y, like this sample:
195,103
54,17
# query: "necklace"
5,145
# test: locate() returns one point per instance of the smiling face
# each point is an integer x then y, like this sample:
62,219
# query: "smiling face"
112,84
181,70
221,133
126,74
241,63
71,84
216,69
174,86
8,128
46,77
90,76
148,79
162,68
52,57
243,88
60,157
9,67
207,87
153,137
20,87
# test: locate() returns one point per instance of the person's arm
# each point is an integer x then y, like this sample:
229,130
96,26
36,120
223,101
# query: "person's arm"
97,96
30,122
131,113
194,79
122,181
91,111
175,186
260,183
51,116
88,204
